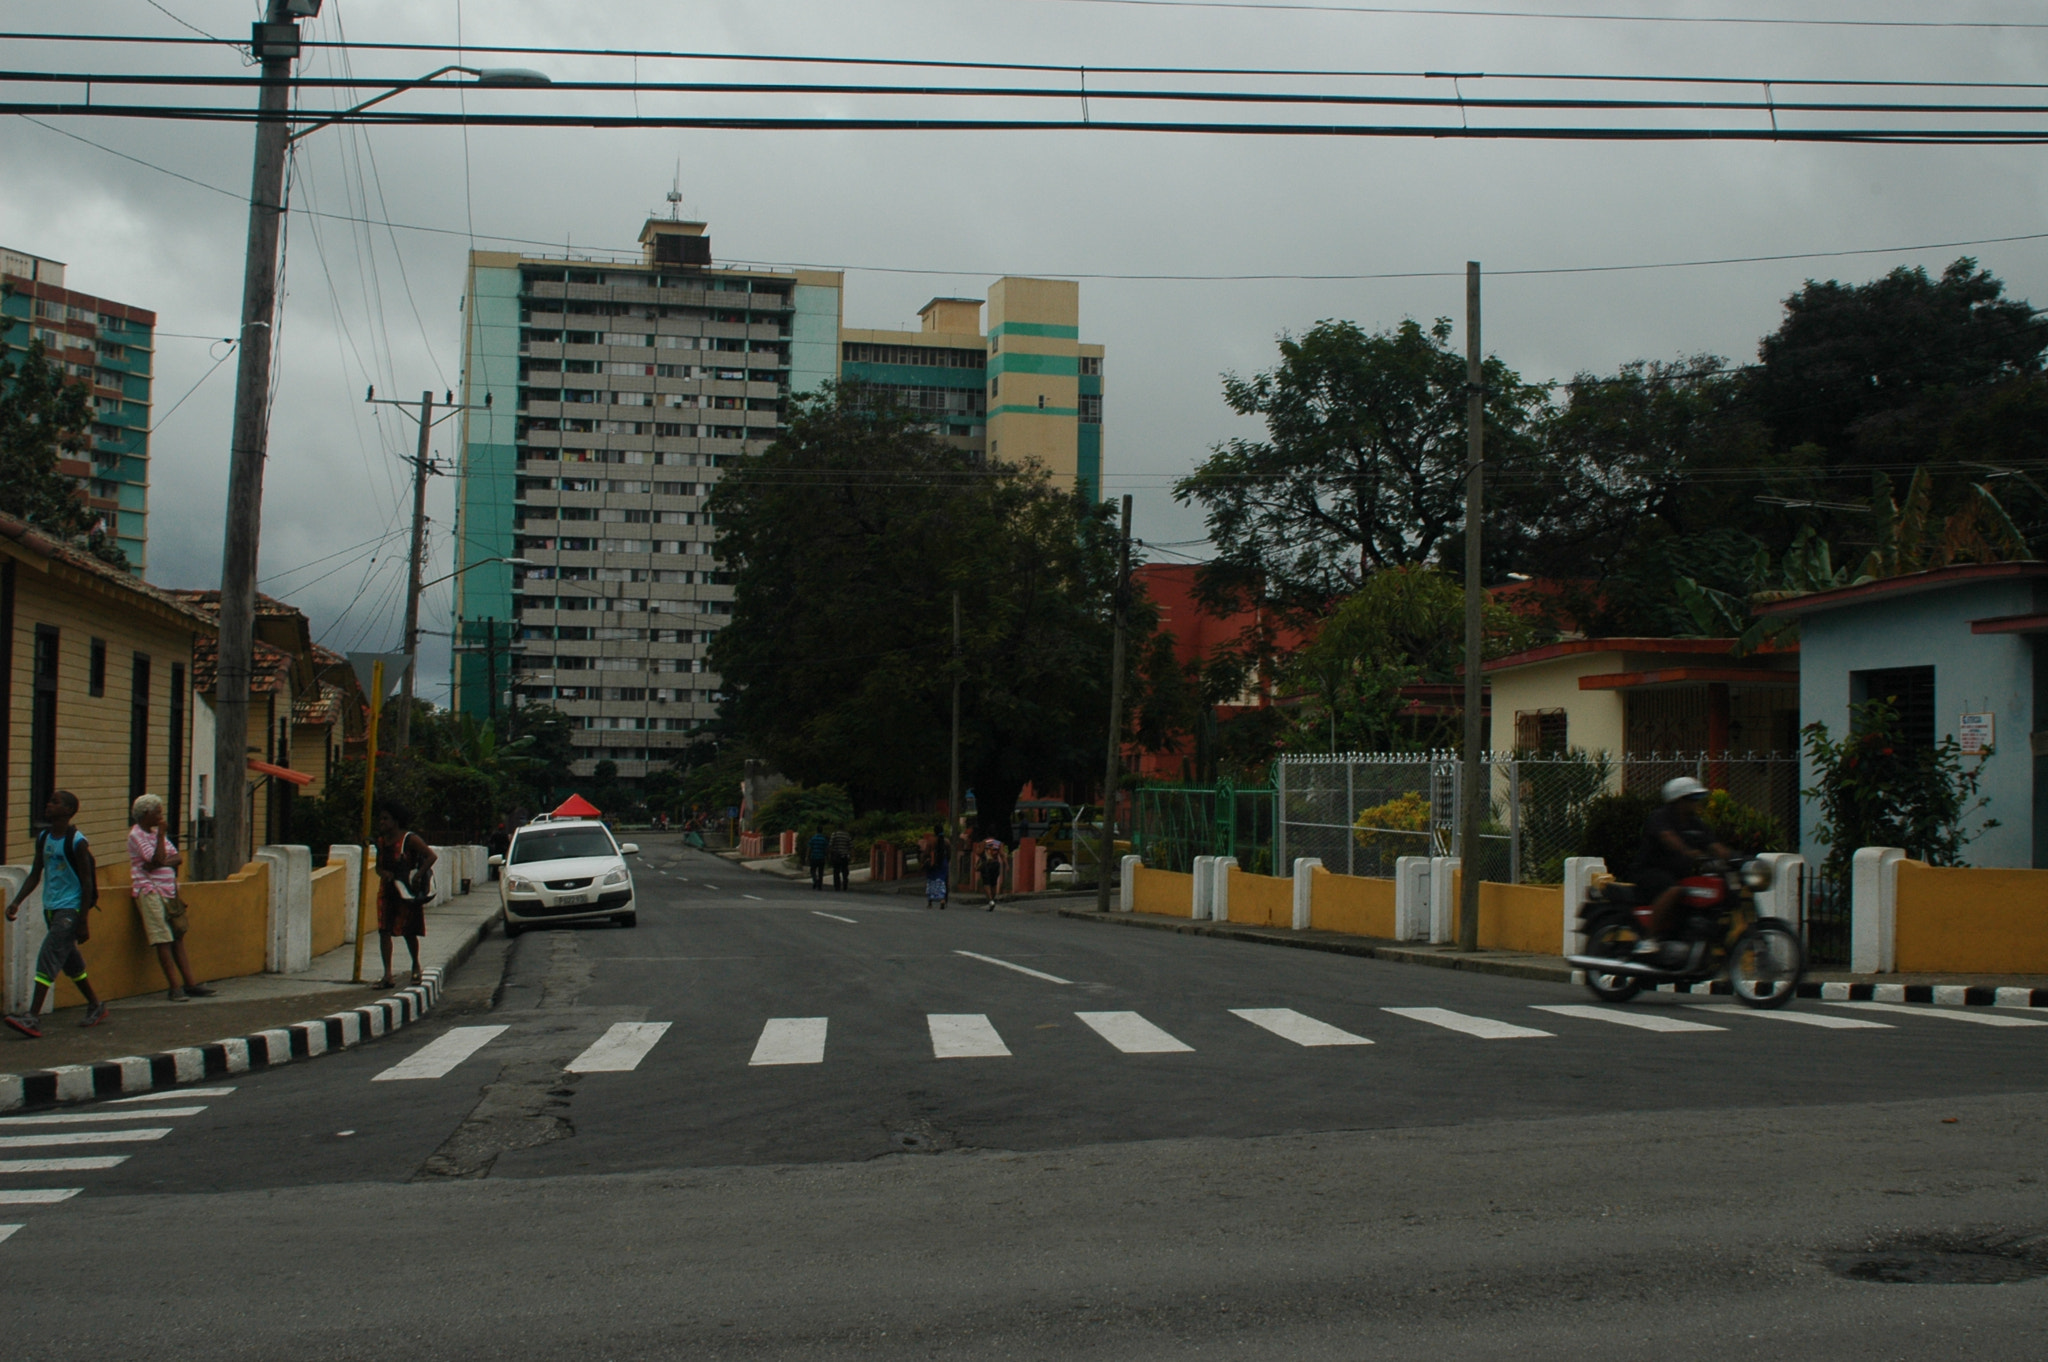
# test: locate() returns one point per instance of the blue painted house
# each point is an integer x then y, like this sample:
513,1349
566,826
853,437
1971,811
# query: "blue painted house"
1960,650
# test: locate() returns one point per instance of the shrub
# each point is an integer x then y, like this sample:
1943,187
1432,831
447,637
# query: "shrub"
1875,790
1744,829
800,810
1614,825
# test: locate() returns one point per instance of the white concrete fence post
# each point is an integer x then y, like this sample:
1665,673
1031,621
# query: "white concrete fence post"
1786,898
350,859
1411,898
1219,888
1873,901
1443,902
24,938
1578,879
1305,868
1205,889
288,947
1127,890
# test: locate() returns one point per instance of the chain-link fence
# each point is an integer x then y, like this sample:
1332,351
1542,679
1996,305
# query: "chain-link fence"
1358,812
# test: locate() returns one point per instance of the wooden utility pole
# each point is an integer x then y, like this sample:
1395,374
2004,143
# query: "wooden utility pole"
1105,851
1475,801
369,804
954,794
401,731
276,44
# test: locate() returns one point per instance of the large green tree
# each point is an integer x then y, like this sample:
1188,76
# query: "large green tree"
42,418
847,539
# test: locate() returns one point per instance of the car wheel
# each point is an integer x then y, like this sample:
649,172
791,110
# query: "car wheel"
627,919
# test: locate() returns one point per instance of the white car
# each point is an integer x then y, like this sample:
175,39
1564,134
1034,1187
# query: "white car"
565,870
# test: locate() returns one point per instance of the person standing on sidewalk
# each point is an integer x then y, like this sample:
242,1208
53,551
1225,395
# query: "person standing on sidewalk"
63,858
405,865
839,851
815,852
153,880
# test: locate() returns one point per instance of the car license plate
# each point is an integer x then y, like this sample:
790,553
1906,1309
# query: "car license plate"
570,900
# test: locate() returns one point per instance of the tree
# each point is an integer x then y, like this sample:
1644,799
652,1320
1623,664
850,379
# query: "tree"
42,418
846,539
1363,466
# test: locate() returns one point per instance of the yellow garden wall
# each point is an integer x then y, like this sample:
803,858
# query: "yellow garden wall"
1517,917
1261,900
1351,903
1163,891
331,898
1956,920
230,925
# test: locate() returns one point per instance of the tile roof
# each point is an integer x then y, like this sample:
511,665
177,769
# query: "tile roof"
273,667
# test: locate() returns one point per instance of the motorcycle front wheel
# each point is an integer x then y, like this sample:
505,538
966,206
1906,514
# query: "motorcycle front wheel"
1765,966
1613,940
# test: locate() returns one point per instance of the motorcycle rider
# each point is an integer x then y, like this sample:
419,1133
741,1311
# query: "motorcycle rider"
1676,839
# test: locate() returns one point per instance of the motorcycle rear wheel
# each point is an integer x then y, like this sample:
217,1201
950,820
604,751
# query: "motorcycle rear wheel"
1765,966
1613,939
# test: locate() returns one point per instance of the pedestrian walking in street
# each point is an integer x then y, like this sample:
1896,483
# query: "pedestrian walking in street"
936,857
405,867
72,890
153,879
994,858
839,851
815,850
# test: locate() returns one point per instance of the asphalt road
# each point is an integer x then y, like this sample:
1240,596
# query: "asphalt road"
773,1123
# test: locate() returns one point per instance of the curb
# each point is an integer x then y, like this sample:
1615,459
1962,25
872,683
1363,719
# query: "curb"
1939,995
240,1054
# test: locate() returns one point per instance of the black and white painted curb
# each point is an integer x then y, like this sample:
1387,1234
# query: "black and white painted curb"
193,1063
1938,995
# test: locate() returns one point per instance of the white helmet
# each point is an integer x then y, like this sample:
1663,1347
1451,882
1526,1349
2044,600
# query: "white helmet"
1685,787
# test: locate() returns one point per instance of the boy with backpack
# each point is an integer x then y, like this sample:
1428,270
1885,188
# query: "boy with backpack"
65,861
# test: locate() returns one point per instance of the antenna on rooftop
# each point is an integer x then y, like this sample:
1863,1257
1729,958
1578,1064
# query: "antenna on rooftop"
675,193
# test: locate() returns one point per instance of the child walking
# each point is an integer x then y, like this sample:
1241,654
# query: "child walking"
65,861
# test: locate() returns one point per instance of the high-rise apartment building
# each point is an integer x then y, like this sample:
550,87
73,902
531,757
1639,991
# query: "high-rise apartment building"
110,346
604,397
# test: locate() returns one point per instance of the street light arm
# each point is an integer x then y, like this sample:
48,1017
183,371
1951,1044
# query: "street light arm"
481,562
485,76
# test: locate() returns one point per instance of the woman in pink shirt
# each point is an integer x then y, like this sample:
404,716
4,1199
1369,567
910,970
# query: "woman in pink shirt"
153,878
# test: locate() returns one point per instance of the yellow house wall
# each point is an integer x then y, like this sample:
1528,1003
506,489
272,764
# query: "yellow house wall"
1351,903
1163,891
1955,920
1593,717
1261,900
229,928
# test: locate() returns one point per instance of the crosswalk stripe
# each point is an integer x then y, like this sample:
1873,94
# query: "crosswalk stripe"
46,1138
87,1118
620,1049
1823,1019
94,1163
791,1040
7,1232
1982,1016
1021,969
1288,1024
1485,1028
1640,1020
1131,1033
38,1196
964,1035
173,1095
438,1056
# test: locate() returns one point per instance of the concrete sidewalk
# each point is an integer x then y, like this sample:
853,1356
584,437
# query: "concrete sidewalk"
149,1026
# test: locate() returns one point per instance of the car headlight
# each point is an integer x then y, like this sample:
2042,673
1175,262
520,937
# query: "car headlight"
516,885
618,876
1756,876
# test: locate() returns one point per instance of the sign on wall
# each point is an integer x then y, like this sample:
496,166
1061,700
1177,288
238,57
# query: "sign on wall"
1974,732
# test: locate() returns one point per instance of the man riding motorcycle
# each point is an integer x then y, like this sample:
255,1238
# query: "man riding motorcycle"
1676,839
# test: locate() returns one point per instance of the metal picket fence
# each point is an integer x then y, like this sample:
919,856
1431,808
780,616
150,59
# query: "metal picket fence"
1173,824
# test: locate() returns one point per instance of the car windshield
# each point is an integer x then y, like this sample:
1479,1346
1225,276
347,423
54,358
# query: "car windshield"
561,844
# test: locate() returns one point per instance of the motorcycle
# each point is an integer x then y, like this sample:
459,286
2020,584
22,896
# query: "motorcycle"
1720,932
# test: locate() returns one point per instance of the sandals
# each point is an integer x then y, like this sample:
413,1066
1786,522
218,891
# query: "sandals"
418,975
385,982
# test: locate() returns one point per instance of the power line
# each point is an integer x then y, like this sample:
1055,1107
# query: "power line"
1445,12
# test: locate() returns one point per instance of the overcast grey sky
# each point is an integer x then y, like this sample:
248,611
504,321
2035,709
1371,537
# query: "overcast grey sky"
369,305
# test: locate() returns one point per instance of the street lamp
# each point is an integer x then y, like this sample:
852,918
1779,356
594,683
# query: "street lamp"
481,562
490,77
274,41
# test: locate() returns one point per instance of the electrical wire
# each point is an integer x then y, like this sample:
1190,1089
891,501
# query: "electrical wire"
193,389
1445,12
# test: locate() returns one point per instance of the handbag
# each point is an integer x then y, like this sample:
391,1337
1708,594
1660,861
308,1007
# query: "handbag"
174,916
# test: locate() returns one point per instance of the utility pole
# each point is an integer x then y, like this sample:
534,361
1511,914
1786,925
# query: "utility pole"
1475,597
1105,848
953,791
275,42
401,731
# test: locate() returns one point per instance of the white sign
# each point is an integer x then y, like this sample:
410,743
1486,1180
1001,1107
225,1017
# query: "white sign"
1974,732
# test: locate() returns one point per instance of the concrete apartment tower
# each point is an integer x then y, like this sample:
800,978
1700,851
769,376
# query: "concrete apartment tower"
606,398
112,347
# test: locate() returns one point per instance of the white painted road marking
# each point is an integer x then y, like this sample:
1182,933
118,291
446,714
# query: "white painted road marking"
38,1196
88,1118
1021,969
1947,1013
95,1163
437,1057
1485,1028
1288,1024
1131,1033
791,1040
174,1095
620,1049
1832,1023
709,885
7,1232
816,912
1640,1020
964,1035
755,897
54,1137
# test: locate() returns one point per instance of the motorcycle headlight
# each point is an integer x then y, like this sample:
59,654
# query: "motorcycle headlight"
618,876
1756,876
